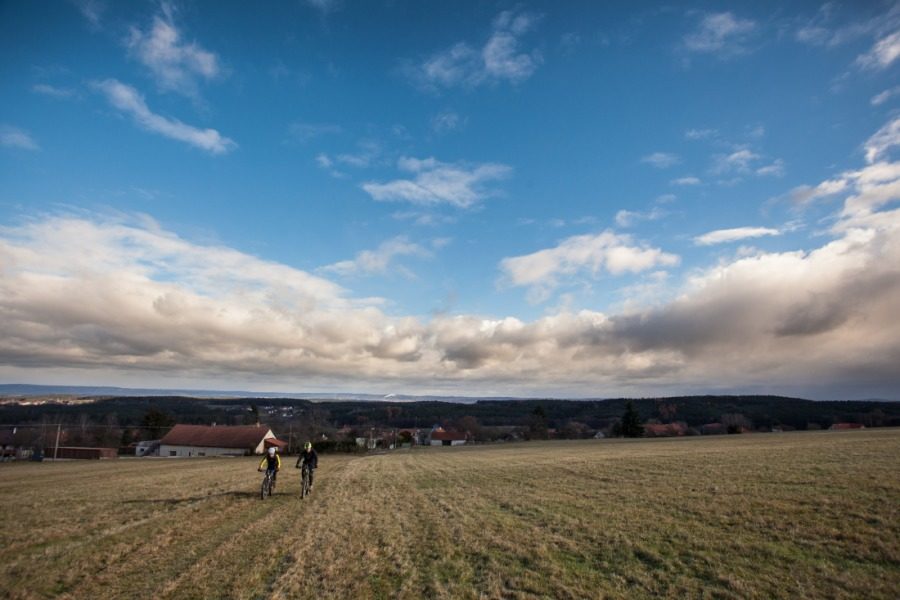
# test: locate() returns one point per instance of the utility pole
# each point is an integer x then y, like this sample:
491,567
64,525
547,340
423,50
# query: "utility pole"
56,448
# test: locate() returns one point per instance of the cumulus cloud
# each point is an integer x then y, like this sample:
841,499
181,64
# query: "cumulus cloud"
176,65
721,236
582,254
108,297
661,160
722,34
499,60
13,137
435,182
381,260
128,100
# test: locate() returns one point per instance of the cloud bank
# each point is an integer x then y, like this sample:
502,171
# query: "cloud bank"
106,297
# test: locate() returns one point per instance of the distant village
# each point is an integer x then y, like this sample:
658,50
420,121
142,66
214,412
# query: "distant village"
65,432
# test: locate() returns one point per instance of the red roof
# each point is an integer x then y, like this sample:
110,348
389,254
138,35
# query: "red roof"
847,426
662,430
447,436
244,437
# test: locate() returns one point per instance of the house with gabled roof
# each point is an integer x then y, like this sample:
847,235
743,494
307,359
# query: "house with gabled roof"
217,440
447,438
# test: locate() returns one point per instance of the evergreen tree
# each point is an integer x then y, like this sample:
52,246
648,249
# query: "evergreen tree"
631,422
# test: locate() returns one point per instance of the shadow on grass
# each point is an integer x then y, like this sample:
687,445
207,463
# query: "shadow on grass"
193,499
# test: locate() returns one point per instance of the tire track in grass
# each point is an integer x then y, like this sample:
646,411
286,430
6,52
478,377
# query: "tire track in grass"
248,563
115,570
326,549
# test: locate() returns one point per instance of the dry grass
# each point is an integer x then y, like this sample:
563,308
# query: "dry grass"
783,515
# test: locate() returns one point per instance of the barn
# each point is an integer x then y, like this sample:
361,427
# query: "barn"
447,438
213,440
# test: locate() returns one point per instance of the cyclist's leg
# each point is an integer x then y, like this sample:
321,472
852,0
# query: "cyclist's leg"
311,471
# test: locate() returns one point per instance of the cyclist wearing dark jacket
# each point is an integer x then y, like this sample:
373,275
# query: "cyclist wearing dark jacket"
308,458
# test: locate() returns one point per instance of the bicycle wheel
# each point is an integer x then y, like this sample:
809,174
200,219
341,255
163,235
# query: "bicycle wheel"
264,490
304,483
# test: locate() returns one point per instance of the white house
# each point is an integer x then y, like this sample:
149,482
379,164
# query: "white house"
447,438
206,440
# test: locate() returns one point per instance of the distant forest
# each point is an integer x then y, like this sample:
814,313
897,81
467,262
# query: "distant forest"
157,413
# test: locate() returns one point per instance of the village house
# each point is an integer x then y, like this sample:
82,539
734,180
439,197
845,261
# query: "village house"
440,437
212,440
846,426
664,429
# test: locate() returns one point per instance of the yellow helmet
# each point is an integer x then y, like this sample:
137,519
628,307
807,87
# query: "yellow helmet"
307,446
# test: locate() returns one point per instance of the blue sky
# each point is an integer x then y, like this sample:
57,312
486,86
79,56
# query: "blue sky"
476,198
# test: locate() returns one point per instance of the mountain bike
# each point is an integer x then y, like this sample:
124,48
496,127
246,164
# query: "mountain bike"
304,481
268,484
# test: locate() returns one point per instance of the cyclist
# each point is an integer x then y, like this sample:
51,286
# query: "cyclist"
308,458
272,463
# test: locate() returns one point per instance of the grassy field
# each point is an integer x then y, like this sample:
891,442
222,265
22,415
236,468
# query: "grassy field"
805,515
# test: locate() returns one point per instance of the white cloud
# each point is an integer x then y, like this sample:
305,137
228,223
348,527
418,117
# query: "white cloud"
325,6
739,161
13,137
882,54
304,132
500,59
92,10
721,33
700,134
447,121
127,99
381,260
881,98
429,219
883,140
436,183
722,236
805,194
103,298
627,218
155,306
53,91
176,65
368,153
823,30
661,160
690,180
775,169
581,254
